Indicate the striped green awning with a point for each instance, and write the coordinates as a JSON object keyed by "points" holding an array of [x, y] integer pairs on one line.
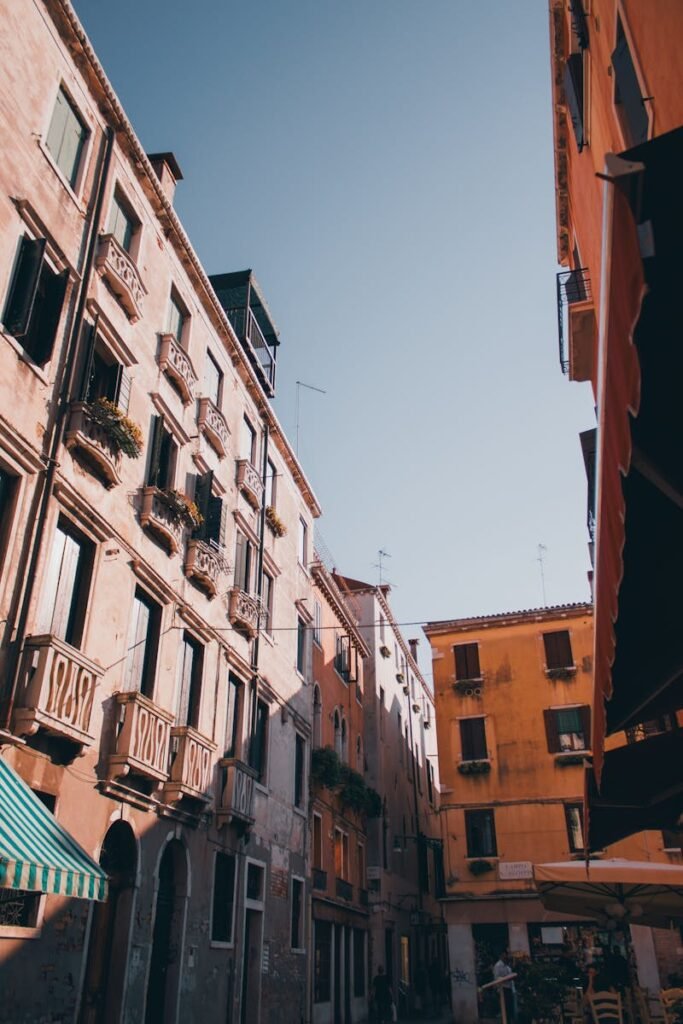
{"points": [[36, 853]]}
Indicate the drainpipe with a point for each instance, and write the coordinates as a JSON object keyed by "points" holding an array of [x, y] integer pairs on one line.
{"points": [[28, 570], [418, 830]]}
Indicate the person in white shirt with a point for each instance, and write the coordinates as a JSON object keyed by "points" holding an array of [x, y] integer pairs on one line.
{"points": [[501, 969]]}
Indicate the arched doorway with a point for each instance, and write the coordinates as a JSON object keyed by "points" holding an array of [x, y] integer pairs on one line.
{"points": [[167, 940], [104, 986]]}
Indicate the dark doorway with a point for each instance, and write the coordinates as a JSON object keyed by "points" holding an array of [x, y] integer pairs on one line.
{"points": [[169, 922], [104, 985], [347, 975], [251, 969]]}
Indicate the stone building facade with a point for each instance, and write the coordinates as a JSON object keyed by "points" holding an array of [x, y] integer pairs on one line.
{"points": [[155, 549]]}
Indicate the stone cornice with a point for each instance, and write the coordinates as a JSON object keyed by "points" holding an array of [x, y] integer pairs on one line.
{"points": [[555, 613], [560, 129]]}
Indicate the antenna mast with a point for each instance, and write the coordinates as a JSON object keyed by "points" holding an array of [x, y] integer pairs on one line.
{"points": [[541, 553]]}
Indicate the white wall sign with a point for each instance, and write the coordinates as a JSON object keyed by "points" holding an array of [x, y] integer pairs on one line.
{"points": [[509, 869]]}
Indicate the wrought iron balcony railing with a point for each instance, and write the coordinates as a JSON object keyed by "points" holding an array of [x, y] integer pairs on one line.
{"points": [[247, 329], [573, 287]]}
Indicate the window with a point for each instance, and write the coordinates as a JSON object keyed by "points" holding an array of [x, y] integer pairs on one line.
{"points": [[102, 375], [481, 833], [175, 318], [214, 527], [143, 644], [344, 741], [418, 768], [248, 442], [66, 138], [473, 739], [300, 646], [558, 650], [567, 728], [66, 584], [233, 715], [467, 662], [358, 962], [405, 960], [317, 841], [122, 223], [628, 97], [7, 489], [341, 854], [317, 717], [213, 380], [381, 712], [575, 73], [317, 622], [242, 563], [652, 727], [303, 543], [400, 737], [223, 898], [190, 671], [430, 782], [267, 603], [574, 818], [270, 489], [258, 748], [337, 733], [322, 965], [34, 301], [162, 456], [299, 770], [359, 754], [297, 924], [255, 877], [342, 657]]}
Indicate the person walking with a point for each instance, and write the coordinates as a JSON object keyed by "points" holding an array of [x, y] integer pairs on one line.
{"points": [[382, 997], [501, 969]]}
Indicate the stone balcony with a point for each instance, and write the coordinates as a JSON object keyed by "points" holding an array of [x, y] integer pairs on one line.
{"points": [[236, 796], [249, 482], [204, 565], [143, 743], [160, 519], [243, 611], [56, 690], [91, 442], [175, 363], [116, 267], [211, 423], [191, 765]]}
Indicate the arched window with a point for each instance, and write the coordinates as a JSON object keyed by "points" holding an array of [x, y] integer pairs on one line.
{"points": [[317, 717], [344, 742], [337, 734], [359, 754]]}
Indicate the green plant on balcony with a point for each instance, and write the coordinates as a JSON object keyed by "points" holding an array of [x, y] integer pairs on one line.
{"points": [[182, 509], [480, 867], [124, 434], [274, 522], [479, 767], [328, 770], [325, 767]]}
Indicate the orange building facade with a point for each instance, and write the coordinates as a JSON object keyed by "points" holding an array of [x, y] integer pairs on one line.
{"points": [[512, 696]]}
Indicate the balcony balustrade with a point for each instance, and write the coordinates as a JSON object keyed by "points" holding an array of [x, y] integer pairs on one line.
{"points": [[577, 325], [344, 889], [243, 611], [249, 482], [236, 797], [157, 516], [143, 743], [204, 565], [56, 690], [211, 423], [319, 879], [116, 267], [191, 762], [93, 444], [248, 330], [176, 364]]}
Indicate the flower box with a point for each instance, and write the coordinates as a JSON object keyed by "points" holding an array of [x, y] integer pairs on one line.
{"points": [[478, 767], [274, 522]]}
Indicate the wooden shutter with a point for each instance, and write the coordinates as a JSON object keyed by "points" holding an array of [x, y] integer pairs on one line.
{"points": [[558, 649], [196, 685], [88, 339], [24, 286], [216, 522], [628, 94], [137, 645], [552, 735], [473, 739], [585, 716], [202, 497], [573, 88], [157, 435], [65, 597], [185, 665], [467, 661], [45, 320], [124, 384], [240, 561]]}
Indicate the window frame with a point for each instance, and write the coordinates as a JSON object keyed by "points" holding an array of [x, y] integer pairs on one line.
{"points": [[270, 489], [260, 719], [317, 847], [150, 657], [193, 697], [557, 655], [468, 661], [301, 646], [121, 204], [75, 187], [223, 943], [550, 716], [44, 286], [465, 724], [267, 602], [568, 809], [625, 129], [174, 300], [81, 587], [344, 853], [470, 824], [301, 924], [215, 396], [299, 794], [302, 544]]}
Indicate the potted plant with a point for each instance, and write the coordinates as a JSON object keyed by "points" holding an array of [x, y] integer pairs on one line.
{"points": [[182, 509], [274, 522], [480, 867], [124, 434], [479, 767], [325, 767]]}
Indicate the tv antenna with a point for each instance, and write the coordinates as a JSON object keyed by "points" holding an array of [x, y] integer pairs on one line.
{"points": [[381, 554], [309, 387], [541, 554]]}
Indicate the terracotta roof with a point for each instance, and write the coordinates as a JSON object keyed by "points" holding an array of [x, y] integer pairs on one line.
{"points": [[549, 612]]}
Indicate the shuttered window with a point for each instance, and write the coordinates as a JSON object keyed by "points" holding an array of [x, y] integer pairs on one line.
{"points": [[567, 729], [143, 642], [175, 318], [267, 603], [258, 747], [34, 301], [190, 671], [223, 898], [299, 763], [213, 380], [66, 137], [300, 646], [214, 527], [558, 649], [242, 563], [480, 830], [232, 723], [162, 456], [247, 441], [573, 88], [473, 739], [628, 97], [297, 922], [467, 661], [122, 224], [574, 819], [66, 585]]}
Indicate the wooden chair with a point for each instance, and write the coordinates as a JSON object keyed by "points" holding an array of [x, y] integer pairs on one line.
{"points": [[606, 1008], [668, 997]]}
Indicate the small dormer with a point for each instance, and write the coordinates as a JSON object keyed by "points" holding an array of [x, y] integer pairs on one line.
{"points": [[240, 296]]}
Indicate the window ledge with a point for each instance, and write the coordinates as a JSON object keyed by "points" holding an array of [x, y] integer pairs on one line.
{"points": [[300, 811], [80, 206], [8, 931], [568, 757], [24, 357], [261, 788], [565, 672], [298, 952], [213, 944]]}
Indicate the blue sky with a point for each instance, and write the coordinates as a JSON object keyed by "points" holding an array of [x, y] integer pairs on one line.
{"points": [[385, 167]]}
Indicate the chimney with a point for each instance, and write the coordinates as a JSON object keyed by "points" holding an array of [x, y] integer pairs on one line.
{"points": [[413, 648], [167, 171]]}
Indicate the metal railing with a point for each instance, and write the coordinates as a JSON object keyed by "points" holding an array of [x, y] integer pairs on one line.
{"points": [[247, 327], [319, 879], [572, 286]]}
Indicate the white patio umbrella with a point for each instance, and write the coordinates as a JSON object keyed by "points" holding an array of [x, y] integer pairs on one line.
{"points": [[622, 890]]}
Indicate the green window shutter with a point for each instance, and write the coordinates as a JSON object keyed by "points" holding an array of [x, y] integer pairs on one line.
{"points": [[24, 286]]}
